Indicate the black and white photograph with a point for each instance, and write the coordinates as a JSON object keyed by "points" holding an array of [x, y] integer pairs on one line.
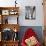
{"points": [[30, 12]]}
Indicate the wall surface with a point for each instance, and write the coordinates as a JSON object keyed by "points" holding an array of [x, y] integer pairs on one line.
{"points": [[39, 13], [37, 30], [22, 3]]}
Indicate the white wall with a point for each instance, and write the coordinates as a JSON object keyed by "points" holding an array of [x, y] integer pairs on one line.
{"points": [[22, 3], [39, 13]]}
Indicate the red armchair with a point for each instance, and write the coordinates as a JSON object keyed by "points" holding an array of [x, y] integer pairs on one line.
{"points": [[28, 34]]}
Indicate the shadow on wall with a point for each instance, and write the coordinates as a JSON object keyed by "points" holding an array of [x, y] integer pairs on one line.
{"points": [[37, 29]]}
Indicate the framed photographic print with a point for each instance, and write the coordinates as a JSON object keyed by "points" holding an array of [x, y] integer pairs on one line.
{"points": [[6, 34], [5, 20], [12, 20], [30, 12], [5, 12], [13, 12]]}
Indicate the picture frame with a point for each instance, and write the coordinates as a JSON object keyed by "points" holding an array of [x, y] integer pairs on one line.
{"points": [[6, 34], [13, 12], [9, 34], [5, 12], [13, 20], [10, 19], [30, 12], [5, 20]]}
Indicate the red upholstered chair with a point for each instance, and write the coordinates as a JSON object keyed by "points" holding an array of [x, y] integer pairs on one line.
{"points": [[29, 33]]}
